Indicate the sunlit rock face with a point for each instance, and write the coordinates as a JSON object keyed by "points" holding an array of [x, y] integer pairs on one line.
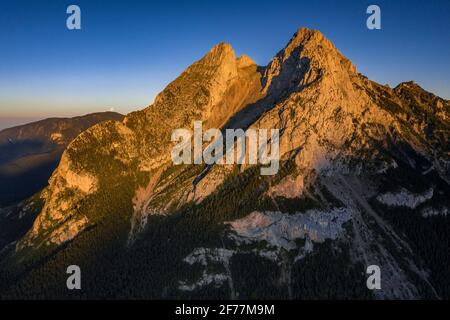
{"points": [[356, 157]]}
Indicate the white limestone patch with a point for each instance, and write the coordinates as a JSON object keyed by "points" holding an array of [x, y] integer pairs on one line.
{"points": [[205, 257], [267, 254], [405, 198], [280, 230], [206, 279], [429, 212]]}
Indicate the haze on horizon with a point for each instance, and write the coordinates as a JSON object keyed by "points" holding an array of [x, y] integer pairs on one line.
{"points": [[127, 52]]}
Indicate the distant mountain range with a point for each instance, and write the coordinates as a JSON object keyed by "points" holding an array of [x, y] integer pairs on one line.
{"points": [[31, 152], [364, 180]]}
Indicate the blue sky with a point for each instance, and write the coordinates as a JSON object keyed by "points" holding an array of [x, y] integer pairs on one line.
{"points": [[127, 51]]}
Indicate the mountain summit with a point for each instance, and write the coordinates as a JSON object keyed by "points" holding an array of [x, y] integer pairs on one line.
{"points": [[364, 180], [307, 56]]}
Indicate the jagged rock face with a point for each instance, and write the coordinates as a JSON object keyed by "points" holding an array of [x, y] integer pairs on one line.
{"points": [[211, 90], [325, 107], [64, 189], [341, 137], [420, 121], [307, 57]]}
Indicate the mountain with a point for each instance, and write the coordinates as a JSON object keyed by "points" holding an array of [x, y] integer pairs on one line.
{"points": [[363, 180], [28, 156], [30, 153]]}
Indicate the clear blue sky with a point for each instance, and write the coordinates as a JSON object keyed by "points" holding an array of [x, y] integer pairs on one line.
{"points": [[127, 51]]}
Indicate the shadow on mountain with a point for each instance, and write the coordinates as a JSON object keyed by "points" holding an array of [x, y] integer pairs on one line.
{"points": [[22, 177], [30, 153], [280, 88]]}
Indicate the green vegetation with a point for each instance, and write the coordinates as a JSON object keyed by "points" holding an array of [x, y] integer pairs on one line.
{"points": [[328, 273], [152, 267], [429, 238]]}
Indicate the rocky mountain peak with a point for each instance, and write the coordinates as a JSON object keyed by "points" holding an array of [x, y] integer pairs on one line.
{"points": [[307, 57], [317, 47], [245, 61], [212, 89], [411, 87], [222, 52], [302, 37], [215, 69]]}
